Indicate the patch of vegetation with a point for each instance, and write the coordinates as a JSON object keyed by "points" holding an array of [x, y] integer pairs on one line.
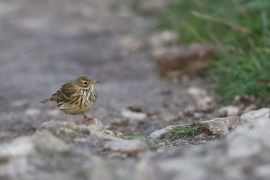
{"points": [[239, 31], [153, 144], [187, 130], [129, 136]]}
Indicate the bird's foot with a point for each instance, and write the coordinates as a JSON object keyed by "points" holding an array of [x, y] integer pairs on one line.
{"points": [[89, 120]]}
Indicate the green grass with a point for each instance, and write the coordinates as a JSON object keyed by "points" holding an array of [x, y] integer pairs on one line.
{"points": [[239, 32], [152, 144], [187, 130], [130, 136]]}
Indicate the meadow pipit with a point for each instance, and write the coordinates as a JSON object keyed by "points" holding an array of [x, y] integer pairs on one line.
{"points": [[76, 97]]}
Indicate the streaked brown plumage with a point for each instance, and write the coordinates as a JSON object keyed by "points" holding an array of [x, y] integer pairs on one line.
{"points": [[76, 97]]}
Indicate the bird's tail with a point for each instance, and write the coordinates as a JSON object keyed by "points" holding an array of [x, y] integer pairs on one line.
{"points": [[45, 100]]}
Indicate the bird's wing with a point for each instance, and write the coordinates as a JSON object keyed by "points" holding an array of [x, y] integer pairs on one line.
{"points": [[65, 93], [93, 96]]}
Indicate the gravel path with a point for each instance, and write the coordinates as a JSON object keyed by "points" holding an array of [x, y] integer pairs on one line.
{"points": [[45, 43]]}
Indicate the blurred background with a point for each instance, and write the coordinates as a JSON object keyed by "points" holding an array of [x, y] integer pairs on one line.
{"points": [[46, 43], [173, 74], [146, 55]]}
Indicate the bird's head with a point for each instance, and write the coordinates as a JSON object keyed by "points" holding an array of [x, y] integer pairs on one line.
{"points": [[85, 82]]}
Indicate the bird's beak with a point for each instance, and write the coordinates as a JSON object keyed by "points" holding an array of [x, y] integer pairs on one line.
{"points": [[96, 81]]}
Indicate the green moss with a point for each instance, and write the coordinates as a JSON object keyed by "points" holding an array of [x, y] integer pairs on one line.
{"points": [[187, 130], [239, 32], [129, 136], [153, 144]]}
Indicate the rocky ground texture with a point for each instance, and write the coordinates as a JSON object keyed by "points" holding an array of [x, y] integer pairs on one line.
{"points": [[146, 127], [66, 150]]}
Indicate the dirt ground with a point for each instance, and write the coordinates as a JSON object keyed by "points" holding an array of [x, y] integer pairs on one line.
{"points": [[46, 43]]}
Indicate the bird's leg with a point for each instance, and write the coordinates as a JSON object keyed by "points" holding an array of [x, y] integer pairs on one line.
{"points": [[88, 120]]}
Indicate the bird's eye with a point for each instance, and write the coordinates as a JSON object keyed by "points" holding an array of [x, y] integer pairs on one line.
{"points": [[85, 82]]}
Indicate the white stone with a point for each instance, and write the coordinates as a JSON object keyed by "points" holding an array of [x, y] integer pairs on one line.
{"points": [[203, 101], [221, 126], [251, 138], [196, 92], [44, 140], [19, 147], [243, 147], [70, 130], [256, 115], [229, 111], [163, 39], [263, 171], [133, 115], [182, 167]]}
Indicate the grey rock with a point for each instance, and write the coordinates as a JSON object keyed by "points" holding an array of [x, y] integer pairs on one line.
{"points": [[131, 115], [109, 170], [263, 171], [249, 108], [218, 127], [16, 168], [23, 146], [128, 147], [221, 126], [243, 154], [253, 137], [19, 147], [203, 101], [172, 166], [161, 133], [161, 39], [255, 115], [70, 130], [46, 141]]}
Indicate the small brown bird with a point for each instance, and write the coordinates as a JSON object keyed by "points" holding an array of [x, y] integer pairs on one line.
{"points": [[76, 97]]}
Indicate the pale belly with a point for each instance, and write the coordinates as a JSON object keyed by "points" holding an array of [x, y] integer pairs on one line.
{"points": [[76, 109]]}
